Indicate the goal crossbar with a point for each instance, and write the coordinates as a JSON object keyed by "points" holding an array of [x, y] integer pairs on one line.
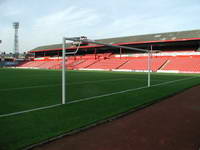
{"points": [[78, 39]]}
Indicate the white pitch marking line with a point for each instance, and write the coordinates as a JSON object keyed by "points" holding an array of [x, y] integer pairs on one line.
{"points": [[89, 98], [29, 87], [105, 95], [135, 89], [25, 111]]}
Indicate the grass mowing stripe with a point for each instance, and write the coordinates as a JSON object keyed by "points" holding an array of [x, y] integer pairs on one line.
{"points": [[137, 79], [128, 90], [75, 83], [105, 95], [94, 97]]}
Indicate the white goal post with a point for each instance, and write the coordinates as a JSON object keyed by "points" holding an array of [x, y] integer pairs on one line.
{"points": [[64, 67], [85, 40]]}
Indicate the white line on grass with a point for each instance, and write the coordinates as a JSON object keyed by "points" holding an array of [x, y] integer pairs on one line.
{"points": [[94, 97], [134, 89], [25, 111], [29, 87], [105, 95]]}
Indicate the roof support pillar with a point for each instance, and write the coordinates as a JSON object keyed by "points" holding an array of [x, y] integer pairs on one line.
{"points": [[120, 53]]}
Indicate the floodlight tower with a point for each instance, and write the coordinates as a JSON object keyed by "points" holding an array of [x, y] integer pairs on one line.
{"points": [[16, 42]]}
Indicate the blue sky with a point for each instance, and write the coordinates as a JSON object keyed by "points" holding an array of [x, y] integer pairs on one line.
{"points": [[47, 21]]}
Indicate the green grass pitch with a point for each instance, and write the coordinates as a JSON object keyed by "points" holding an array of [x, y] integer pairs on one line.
{"points": [[93, 96]]}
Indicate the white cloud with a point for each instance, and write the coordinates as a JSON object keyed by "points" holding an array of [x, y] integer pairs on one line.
{"points": [[69, 22], [71, 16]]}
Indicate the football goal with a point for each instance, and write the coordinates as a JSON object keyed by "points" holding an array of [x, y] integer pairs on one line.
{"points": [[83, 39]]}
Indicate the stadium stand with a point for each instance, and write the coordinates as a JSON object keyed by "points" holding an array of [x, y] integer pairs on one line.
{"points": [[187, 64], [71, 65], [184, 63], [108, 64], [142, 64], [32, 64], [49, 64], [39, 64], [85, 64], [173, 52]]}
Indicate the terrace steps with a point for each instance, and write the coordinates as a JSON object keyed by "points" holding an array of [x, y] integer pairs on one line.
{"points": [[109, 62]]}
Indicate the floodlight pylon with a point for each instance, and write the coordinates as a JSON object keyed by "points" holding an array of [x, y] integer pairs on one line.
{"points": [[16, 41]]}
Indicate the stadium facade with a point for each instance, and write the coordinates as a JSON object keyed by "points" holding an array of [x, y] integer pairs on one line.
{"points": [[176, 52]]}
